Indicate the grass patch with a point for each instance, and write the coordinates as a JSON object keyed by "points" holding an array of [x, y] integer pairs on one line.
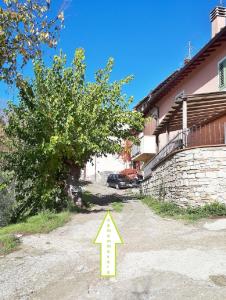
{"points": [[117, 206], [41, 223], [8, 243], [170, 209]]}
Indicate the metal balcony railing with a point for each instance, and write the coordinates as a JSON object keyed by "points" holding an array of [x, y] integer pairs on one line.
{"points": [[178, 142]]}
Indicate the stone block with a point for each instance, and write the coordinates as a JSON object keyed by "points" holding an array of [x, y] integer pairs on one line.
{"points": [[200, 174], [211, 174]]}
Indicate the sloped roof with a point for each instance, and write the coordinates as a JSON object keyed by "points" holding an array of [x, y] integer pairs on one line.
{"points": [[156, 89], [171, 81]]}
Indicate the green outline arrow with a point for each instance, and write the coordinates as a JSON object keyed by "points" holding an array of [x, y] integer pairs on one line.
{"points": [[108, 236]]}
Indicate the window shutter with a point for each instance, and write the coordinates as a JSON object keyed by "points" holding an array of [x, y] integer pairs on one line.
{"points": [[222, 74]]}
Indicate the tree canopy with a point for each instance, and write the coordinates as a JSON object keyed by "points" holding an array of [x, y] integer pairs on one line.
{"points": [[61, 122], [24, 26]]}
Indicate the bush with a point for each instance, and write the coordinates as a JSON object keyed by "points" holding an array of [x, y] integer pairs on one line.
{"points": [[163, 208], [7, 199], [32, 199], [214, 209]]}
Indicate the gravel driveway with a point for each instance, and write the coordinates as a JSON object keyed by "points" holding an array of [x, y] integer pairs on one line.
{"points": [[160, 259]]}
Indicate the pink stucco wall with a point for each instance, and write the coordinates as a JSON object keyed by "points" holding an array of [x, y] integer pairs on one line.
{"points": [[203, 79]]}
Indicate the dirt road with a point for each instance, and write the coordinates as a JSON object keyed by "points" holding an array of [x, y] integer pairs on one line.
{"points": [[160, 259]]}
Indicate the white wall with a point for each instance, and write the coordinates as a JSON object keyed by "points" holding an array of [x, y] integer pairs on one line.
{"points": [[104, 166]]}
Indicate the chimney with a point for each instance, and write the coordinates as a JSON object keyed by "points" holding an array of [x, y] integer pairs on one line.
{"points": [[218, 19]]}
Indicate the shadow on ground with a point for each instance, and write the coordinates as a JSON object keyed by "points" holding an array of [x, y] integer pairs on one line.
{"points": [[104, 201]]}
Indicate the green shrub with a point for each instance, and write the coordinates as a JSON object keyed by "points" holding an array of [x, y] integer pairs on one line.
{"points": [[171, 209], [214, 209], [162, 207], [7, 199], [8, 243], [32, 200]]}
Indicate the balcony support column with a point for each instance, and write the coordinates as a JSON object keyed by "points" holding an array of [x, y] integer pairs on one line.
{"points": [[167, 134], [185, 122], [157, 143]]}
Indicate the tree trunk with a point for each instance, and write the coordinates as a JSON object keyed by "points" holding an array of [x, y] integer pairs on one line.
{"points": [[73, 189]]}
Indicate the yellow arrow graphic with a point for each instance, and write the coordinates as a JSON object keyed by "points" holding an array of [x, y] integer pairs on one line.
{"points": [[108, 236]]}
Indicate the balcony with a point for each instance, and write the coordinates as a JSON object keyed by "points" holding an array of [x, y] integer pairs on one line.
{"points": [[178, 142], [146, 150], [198, 119]]}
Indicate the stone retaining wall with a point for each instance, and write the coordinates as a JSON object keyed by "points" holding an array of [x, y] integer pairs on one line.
{"points": [[190, 177]]}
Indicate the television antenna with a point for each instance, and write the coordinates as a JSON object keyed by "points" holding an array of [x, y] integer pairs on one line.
{"points": [[190, 50]]}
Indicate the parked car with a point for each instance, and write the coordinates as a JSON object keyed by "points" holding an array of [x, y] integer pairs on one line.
{"points": [[118, 181], [137, 181]]}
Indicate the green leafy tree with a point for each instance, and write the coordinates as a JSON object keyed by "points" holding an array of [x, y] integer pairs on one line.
{"points": [[6, 185], [61, 122], [6, 198], [24, 27]]}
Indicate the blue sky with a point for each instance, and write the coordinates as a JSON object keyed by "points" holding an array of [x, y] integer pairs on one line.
{"points": [[146, 38]]}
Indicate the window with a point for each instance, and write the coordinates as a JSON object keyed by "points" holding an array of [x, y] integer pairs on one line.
{"points": [[222, 74]]}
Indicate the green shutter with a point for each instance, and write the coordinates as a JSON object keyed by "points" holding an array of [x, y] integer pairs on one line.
{"points": [[222, 74]]}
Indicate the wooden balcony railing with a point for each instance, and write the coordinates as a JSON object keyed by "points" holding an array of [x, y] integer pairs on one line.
{"points": [[201, 135]]}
